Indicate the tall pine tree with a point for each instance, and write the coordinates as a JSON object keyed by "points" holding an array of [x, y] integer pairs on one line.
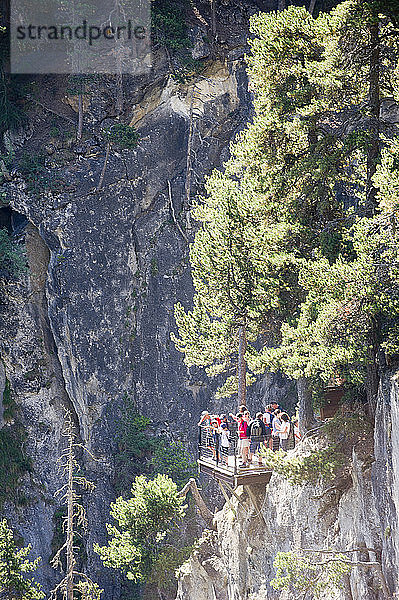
{"points": [[287, 204]]}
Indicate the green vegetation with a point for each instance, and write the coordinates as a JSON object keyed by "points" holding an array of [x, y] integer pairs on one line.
{"points": [[169, 23], [124, 136], [161, 460], [9, 404], [298, 236], [168, 561], [140, 451], [170, 30], [38, 178], [14, 565], [13, 91], [12, 259], [154, 267], [298, 574], [143, 522], [13, 462], [331, 457], [172, 459], [319, 464]]}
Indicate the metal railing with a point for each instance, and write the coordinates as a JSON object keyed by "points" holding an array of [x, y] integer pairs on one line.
{"points": [[210, 448]]}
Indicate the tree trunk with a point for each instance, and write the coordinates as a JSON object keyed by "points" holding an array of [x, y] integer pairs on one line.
{"points": [[69, 538], [306, 415], [213, 18], [372, 374], [189, 148], [374, 108], [101, 180], [120, 100], [242, 366], [80, 117], [312, 5]]}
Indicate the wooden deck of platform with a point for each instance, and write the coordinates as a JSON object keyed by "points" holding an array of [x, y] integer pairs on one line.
{"points": [[242, 476]]}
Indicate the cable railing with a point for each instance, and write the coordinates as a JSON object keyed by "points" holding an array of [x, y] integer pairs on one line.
{"points": [[211, 450]]}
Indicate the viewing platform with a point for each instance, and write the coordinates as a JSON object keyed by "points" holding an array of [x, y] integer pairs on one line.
{"points": [[223, 465]]}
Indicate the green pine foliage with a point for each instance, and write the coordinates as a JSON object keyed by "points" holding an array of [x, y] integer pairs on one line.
{"points": [[329, 458], [293, 239], [169, 30], [169, 25], [124, 136], [299, 574], [142, 452], [12, 259], [317, 465], [38, 178], [13, 461], [14, 567], [172, 459], [143, 522]]}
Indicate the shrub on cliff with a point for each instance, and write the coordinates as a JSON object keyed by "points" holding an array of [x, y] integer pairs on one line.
{"points": [[14, 565], [124, 136], [143, 522], [12, 260]]}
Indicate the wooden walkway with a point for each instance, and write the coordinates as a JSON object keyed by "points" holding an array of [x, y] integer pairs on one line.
{"points": [[254, 474]]}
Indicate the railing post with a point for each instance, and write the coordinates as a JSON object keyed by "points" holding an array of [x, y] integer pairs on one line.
{"points": [[199, 441], [235, 456]]}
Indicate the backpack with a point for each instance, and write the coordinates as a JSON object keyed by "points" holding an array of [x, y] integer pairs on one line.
{"points": [[257, 431]]}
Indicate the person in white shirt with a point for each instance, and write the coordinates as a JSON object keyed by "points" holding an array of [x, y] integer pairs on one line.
{"points": [[224, 442], [284, 431], [276, 422]]}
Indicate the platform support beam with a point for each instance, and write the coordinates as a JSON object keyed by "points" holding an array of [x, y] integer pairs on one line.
{"points": [[255, 504]]}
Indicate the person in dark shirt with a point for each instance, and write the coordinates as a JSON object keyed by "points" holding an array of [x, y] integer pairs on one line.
{"points": [[257, 435]]}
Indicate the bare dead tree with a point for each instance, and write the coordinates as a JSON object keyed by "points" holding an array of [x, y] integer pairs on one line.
{"points": [[80, 116], [74, 581], [334, 556], [101, 180], [312, 5]]}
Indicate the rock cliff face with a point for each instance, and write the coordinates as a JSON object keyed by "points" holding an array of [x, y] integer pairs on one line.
{"points": [[236, 562], [89, 324]]}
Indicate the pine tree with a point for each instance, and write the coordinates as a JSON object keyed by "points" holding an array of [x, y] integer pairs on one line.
{"points": [[14, 565], [276, 221], [143, 522]]}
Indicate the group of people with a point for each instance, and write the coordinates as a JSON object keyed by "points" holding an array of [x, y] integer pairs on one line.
{"points": [[270, 429]]}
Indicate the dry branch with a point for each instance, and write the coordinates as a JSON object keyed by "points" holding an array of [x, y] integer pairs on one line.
{"points": [[191, 486]]}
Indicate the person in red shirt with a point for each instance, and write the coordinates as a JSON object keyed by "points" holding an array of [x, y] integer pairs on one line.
{"points": [[243, 441]]}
